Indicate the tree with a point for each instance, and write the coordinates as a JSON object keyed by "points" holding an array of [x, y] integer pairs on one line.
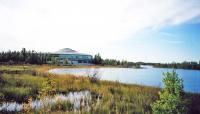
{"points": [[55, 61], [23, 56], [66, 62], [124, 63], [23, 52], [97, 59], [48, 90], [171, 97]]}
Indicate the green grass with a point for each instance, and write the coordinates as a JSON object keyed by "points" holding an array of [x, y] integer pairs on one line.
{"points": [[13, 67], [18, 87], [12, 93], [114, 96]]}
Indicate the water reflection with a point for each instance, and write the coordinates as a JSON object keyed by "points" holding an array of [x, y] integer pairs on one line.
{"points": [[146, 76], [75, 98]]}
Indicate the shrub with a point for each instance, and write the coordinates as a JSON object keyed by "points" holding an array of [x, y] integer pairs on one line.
{"points": [[94, 77], [16, 93], [48, 90], [1, 97], [1, 80], [26, 107], [171, 97], [66, 62], [62, 105]]}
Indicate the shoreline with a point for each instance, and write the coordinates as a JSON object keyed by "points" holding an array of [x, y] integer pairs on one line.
{"points": [[17, 87]]}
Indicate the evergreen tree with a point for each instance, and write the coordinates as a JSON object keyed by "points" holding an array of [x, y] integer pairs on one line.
{"points": [[171, 97], [97, 59], [23, 52], [66, 62], [23, 56]]}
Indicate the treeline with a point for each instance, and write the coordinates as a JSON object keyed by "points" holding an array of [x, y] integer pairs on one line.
{"points": [[98, 60], [24, 57], [112, 62], [183, 65]]}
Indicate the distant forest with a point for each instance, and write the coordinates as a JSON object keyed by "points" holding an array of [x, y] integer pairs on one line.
{"points": [[98, 60], [184, 65], [24, 57], [32, 57]]}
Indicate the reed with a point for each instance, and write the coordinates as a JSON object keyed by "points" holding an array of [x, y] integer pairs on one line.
{"points": [[107, 96]]}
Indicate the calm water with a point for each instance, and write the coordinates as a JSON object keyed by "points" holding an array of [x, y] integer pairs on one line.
{"points": [[147, 76]]}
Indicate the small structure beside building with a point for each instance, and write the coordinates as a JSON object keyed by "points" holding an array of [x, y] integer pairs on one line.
{"points": [[69, 56]]}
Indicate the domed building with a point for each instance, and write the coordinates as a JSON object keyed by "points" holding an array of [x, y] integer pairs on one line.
{"points": [[72, 57]]}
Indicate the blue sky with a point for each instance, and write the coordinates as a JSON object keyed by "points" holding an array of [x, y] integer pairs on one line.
{"points": [[135, 30], [171, 43]]}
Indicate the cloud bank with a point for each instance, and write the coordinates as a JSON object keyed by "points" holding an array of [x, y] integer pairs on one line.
{"points": [[81, 24]]}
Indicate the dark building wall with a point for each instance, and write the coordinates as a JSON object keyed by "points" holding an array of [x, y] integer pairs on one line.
{"points": [[74, 57]]}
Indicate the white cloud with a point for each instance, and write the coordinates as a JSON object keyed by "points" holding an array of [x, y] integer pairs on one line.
{"points": [[48, 25]]}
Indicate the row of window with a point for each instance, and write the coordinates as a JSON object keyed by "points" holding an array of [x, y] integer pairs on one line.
{"points": [[76, 56], [84, 61]]}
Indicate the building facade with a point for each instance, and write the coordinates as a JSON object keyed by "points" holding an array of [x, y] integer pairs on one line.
{"points": [[69, 56]]}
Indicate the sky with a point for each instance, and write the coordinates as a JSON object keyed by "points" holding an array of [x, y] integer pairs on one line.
{"points": [[134, 30]]}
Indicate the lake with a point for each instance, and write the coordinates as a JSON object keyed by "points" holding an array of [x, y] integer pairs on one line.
{"points": [[148, 75]]}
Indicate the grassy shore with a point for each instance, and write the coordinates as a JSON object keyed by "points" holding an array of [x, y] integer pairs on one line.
{"points": [[18, 83]]}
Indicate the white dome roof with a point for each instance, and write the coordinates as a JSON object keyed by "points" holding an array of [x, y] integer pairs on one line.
{"points": [[68, 51]]}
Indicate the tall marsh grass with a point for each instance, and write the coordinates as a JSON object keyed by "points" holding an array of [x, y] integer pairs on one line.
{"points": [[107, 97]]}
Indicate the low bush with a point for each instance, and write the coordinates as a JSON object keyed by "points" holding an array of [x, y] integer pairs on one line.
{"points": [[62, 106], [171, 97], [16, 93], [94, 77]]}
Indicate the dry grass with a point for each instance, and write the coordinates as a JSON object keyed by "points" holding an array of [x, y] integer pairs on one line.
{"points": [[114, 96]]}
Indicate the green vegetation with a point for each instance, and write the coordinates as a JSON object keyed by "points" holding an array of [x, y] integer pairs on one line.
{"points": [[94, 78], [114, 97], [97, 59], [48, 90], [33, 57], [171, 99], [66, 62], [24, 57], [112, 62], [54, 61], [184, 65]]}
